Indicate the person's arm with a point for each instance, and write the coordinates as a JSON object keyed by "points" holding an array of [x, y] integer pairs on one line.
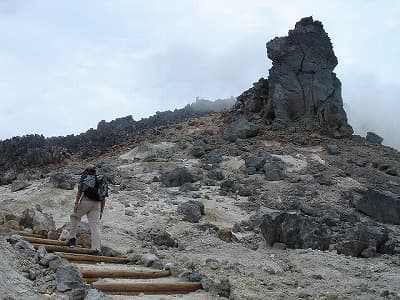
{"points": [[78, 197], [103, 203]]}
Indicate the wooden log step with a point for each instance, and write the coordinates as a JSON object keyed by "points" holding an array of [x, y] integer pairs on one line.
{"points": [[65, 249], [44, 241], [133, 274], [93, 258], [24, 233], [148, 287]]}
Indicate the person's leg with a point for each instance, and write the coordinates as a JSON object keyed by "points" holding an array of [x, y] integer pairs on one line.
{"points": [[94, 223], [76, 217]]}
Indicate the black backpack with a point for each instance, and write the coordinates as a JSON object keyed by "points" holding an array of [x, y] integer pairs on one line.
{"points": [[90, 186]]}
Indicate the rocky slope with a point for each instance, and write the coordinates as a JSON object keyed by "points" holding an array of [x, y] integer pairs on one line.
{"points": [[252, 209], [20, 154]]}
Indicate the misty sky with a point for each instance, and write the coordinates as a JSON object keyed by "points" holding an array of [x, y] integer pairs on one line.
{"points": [[65, 65]]}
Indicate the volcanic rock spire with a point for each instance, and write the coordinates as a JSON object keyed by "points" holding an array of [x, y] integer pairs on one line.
{"points": [[302, 90]]}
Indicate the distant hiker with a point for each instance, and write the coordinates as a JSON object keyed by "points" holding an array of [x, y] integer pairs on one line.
{"points": [[90, 201]]}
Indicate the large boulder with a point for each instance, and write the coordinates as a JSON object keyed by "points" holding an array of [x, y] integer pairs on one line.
{"points": [[40, 222], [68, 278], [240, 129], [18, 185], [374, 138], [380, 206], [192, 210], [62, 181], [364, 239], [177, 177], [302, 88], [294, 229]]}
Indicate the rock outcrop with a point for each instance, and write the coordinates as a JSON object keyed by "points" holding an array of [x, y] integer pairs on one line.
{"points": [[301, 91]]}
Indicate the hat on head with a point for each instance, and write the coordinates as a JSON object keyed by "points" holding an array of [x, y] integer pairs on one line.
{"points": [[91, 168]]}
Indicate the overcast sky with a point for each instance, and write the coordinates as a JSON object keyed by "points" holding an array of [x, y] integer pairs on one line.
{"points": [[65, 65]]}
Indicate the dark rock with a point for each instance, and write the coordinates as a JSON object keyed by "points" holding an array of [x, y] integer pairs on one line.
{"points": [[62, 181], [294, 229], [78, 294], [251, 171], [18, 185], [273, 171], [374, 138], [214, 157], [256, 162], [226, 235], [45, 261], [322, 180], [192, 210], [215, 174], [302, 87], [380, 206], [177, 177], [199, 148], [229, 186], [392, 171], [361, 237], [361, 162], [333, 149], [188, 187], [68, 277], [22, 244], [240, 129], [158, 236]]}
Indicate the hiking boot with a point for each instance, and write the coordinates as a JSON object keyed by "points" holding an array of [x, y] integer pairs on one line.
{"points": [[71, 242], [97, 252]]}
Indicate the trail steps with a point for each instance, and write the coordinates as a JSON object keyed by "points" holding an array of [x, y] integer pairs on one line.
{"points": [[120, 279]]}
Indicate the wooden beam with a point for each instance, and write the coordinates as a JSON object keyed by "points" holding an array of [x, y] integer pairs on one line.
{"points": [[24, 233], [148, 287], [136, 274], [94, 258], [65, 249], [44, 241]]}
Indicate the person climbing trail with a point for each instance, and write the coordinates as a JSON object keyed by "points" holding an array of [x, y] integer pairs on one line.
{"points": [[90, 201]]}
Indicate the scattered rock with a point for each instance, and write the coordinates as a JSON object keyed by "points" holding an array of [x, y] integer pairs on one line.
{"points": [[322, 180], [192, 210], [40, 222], [18, 185], [149, 259], [215, 174], [374, 138], [214, 157], [22, 244], [158, 236], [84, 240], [273, 171], [360, 238], [381, 206], [333, 149], [294, 229], [48, 258], [226, 235], [177, 177], [62, 181], [255, 162], [240, 129], [68, 277]]}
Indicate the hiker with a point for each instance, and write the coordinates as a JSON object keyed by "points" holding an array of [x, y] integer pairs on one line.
{"points": [[90, 201]]}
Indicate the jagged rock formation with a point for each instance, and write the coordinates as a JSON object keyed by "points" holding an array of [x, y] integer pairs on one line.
{"points": [[301, 87]]}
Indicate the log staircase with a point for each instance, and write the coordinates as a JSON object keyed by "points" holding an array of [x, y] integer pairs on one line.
{"points": [[113, 275]]}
